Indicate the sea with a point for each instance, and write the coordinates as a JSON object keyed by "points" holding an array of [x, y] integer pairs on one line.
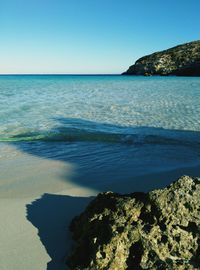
{"points": [[95, 131]]}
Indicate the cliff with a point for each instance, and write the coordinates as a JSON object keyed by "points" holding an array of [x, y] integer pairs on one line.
{"points": [[182, 60], [157, 230]]}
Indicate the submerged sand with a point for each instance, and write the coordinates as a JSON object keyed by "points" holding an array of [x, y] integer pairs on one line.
{"points": [[37, 204]]}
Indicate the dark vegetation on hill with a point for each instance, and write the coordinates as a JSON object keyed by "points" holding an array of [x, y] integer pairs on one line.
{"points": [[182, 60]]}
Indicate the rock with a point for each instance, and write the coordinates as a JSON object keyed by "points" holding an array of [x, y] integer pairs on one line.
{"points": [[182, 60], [155, 230]]}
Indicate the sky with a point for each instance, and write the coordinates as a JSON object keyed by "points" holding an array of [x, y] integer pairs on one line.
{"points": [[90, 36]]}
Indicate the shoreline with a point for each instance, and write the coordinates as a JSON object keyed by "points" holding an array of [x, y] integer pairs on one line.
{"points": [[34, 232]]}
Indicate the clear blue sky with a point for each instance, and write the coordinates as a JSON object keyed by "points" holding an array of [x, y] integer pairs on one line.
{"points": [[90, 36]]}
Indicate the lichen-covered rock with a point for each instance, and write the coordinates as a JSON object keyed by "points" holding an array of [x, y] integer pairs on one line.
{"points": [[182, 60], [157, 230]]}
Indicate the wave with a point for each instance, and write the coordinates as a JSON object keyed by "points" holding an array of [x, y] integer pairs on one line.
{"points": [[142, 136]]}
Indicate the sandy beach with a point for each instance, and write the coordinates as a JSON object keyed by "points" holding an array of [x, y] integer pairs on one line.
{"points": [[78, 136], [34, 219]]}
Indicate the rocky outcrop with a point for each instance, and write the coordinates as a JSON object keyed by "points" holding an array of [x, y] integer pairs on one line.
{"points": [[182, 60], [157, 230]]}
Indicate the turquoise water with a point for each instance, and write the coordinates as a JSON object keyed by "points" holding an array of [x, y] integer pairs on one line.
{"points": [[108, 125], [39, 107]]}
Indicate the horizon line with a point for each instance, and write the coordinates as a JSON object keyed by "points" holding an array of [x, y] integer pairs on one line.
{"points": [[60, 74]]}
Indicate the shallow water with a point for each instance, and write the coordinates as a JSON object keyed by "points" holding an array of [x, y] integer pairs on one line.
{"points": [[39, 104], [110, 128]]}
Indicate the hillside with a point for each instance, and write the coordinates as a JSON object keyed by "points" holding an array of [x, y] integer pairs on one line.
{"points": [[182, 60]]}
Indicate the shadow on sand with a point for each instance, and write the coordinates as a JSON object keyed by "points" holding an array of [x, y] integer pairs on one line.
{"points": [[52, 214], [98, 154]]}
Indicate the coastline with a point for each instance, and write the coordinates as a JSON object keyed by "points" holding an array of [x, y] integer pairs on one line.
{"points": [[150, 138], [34, 230]]}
